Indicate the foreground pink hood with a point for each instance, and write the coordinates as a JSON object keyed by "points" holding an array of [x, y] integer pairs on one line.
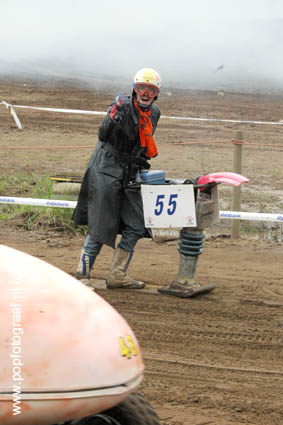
{"points": [[65, 348]]}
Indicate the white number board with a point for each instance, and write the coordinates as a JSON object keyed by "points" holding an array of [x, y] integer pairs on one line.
{"points": [[168, 205]]}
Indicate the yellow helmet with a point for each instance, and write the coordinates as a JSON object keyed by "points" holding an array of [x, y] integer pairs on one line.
{"points": [[147, 76]]}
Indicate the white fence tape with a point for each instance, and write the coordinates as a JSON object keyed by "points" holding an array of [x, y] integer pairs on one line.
{"points": [[221, 120], [67, 111], [81, 111], [37, 202], [16, 119], [231, 215], [250, 216], [14, 115]]}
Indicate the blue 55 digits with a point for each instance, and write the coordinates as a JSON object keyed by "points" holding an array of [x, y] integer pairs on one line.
{"points": [[162, 206]]}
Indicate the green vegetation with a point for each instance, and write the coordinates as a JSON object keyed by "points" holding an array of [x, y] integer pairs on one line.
{"points": [[263, 200], [32, 217], [247, 226]]}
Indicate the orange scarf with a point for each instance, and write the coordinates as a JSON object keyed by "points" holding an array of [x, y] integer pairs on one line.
{"points": [[145, 131]]}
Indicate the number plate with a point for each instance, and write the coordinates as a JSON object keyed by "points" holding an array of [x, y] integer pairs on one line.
{"points": [[168, 205]]}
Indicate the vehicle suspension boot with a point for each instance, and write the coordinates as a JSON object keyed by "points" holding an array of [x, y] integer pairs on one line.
{"points": [[84, 268], [118, 277], [190, 247]]}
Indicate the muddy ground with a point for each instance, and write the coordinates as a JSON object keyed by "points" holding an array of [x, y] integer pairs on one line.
{"points": [[216, 359]]}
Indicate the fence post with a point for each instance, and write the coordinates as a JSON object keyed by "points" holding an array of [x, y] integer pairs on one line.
{"points": [[236, 196], [9, 117]]}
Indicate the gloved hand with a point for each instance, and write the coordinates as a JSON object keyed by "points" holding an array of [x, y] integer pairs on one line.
{"points": [[117, 105]]}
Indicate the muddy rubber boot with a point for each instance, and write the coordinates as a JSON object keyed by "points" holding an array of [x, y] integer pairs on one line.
{"points": [[118, 277], [184, 286], [85, 266]]}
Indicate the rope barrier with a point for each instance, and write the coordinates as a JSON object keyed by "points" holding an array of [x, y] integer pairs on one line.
{"points": [[250, 216], [44, 147], [223, 120], [231, 215], [66, 111], [37, 202], [86, 112], [227, 141], [223, 142]]}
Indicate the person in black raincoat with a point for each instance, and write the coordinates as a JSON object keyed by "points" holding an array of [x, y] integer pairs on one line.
{"points": [[109, 201]]}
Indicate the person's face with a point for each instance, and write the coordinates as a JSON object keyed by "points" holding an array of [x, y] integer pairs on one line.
{"points": [[145, 93]]}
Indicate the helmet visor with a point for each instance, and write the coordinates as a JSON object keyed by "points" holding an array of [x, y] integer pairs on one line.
{"points": [[141, 89]]}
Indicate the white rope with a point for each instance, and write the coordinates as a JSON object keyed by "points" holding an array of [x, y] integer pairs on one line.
{"points": [[68, 111], [85, 112], [222, 120]]}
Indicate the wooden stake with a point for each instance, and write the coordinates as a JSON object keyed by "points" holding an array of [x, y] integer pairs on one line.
{"points": [[9, 117]]}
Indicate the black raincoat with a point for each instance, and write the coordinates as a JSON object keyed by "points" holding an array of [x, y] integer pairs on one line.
{"points": [[108, 202]]}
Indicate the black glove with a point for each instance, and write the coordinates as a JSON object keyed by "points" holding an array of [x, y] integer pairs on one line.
{"points": [[116, 111]]}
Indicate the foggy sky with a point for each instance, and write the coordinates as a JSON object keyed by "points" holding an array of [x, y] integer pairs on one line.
{"points": [[191, 44]]}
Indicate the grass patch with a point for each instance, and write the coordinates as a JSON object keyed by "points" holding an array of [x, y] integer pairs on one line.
{"points": [[247, 226], [32, 217]]}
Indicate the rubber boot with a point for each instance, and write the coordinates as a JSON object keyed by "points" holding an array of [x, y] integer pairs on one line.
{"points": [[118, 277], [85, 266], [184, 286]]}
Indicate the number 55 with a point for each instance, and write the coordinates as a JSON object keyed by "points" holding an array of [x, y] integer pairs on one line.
{"points": [[172, 204]]}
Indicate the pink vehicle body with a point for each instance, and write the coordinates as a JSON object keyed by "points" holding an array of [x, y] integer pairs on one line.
{"points": [[65, 352], [223, 177]]}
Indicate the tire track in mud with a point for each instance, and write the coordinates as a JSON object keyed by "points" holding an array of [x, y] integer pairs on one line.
{"points": [[206, 334], [240, 338], [228, 390], [233, 327], [214, 368]]}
